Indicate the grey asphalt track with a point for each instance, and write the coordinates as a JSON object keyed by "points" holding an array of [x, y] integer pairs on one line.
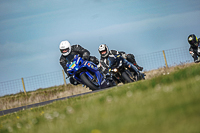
{"points": [[8, 111]]}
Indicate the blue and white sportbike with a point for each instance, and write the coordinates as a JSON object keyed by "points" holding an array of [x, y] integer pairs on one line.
{"points": [[86, 73]]}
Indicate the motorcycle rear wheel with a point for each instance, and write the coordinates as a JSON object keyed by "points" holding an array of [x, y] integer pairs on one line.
{"points": [[87, 82]]}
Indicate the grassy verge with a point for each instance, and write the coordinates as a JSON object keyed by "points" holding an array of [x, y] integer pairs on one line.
{"points": [[169, 103], [40, 95]]}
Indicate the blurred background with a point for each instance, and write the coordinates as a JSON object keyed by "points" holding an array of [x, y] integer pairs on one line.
{"points": [[31, 31]]}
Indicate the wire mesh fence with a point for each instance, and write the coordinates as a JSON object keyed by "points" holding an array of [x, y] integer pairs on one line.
{"points": [[148, 61], [43, 81], [156, 60], [178, 56], [11, 87], [151, 61], [31, 83]]}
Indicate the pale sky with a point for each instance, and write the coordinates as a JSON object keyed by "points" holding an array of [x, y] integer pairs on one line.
{"points": [[31, 31]]}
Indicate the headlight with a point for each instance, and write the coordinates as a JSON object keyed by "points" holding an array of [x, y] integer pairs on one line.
{"points": [[115, 70]]}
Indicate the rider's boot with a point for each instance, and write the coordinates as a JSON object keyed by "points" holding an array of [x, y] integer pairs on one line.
{"points": [[197, 60], [139, 67], [135, 64]]}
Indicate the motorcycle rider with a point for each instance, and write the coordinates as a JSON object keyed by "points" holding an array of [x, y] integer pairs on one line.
{"points": [[105, 53], [128, 57], [66, 49], [194, 47]]}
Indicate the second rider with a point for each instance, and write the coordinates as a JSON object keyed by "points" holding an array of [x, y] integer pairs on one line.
{"points": [[105, 53]]}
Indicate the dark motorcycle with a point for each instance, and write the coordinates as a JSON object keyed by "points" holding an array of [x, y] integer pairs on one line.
{"points": [[118, 71]]}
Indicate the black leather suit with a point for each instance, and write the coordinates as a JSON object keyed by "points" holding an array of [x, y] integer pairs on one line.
{"points": [[194, 51], [129, 57]]}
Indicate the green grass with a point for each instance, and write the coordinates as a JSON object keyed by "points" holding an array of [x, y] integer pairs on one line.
{"points": [[165, 104]]}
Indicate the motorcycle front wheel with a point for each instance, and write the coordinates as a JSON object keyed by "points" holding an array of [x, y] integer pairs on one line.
{"points": [[126, 77], [87, 82]]}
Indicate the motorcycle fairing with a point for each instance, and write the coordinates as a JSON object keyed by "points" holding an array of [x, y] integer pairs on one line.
{"points": [[87, 67]]}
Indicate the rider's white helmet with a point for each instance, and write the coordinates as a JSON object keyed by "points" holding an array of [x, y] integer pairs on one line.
{"points": [[103, 50], [65, 48]]}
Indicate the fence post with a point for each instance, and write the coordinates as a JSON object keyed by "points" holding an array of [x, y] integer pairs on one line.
{"points": [[64, 77], [165, 59], [23, 86]]}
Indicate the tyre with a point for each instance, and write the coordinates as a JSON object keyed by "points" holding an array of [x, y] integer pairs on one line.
{"points": [[126, 77], [87, 82]]}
